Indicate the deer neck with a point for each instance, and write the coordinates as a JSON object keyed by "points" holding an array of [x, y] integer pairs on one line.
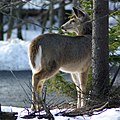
{"points": [[86, 29]]}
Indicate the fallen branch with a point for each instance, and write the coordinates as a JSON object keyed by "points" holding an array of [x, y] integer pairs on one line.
{"points": [[35, 114], [84, 111], [47, 110]]}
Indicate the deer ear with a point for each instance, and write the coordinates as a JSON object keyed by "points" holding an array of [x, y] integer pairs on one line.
{"points": [[78, 12]]}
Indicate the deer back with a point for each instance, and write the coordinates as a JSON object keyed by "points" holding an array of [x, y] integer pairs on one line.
{"points": [[61, 49]]}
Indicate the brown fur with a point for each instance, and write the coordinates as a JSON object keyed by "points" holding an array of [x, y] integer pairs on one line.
{"points": [[66, 53], [34, 47]]}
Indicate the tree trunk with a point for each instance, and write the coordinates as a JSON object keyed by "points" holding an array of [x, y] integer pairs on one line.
{"points": [[1, 26], [100, 53], [44, 20], [10, 23], [61, 12], [19, 29], [51, 15]]}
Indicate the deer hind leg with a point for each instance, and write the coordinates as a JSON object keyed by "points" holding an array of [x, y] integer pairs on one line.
{"points": [[38, 79], [37, 84], [75, 78]]}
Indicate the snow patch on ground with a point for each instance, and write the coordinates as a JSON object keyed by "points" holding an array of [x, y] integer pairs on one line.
{"points": [[13, 55], [109, 114]]}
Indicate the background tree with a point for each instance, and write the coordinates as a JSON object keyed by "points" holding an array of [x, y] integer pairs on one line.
{"points": [[1, 21], [11, 20], [1, 26], [19, 16], [61, 12], [51, 14], [100, 53]]}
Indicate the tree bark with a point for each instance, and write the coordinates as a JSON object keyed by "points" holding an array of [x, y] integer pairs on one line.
{"points": [[1, 26], [10, 23], [51, 15], [2, 4], [100, 50], [61, 12], [44, 20], [19, 29]]}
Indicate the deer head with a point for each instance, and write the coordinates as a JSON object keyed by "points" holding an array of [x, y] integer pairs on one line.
{"points": [[79, 23]]}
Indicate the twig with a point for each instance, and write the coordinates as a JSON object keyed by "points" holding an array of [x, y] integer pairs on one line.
{"points": [[48, 113], [10, 5], [20, 84], [33, 115], [100, 108]]}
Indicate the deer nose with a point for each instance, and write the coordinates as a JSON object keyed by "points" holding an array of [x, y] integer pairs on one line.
{"points": [[62, 27]]}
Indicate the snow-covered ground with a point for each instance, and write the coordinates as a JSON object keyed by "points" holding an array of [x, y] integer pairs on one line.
{"points": [[13, 55], [109, 114]]}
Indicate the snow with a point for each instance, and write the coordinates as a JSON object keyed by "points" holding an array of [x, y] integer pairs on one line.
{"points": [[32, 32], [113, 5], [37, 4], [109, 114], [112, 21], [13, 55]]}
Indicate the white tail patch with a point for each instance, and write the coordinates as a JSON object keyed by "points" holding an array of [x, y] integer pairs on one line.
{"points": [[37, 61]]}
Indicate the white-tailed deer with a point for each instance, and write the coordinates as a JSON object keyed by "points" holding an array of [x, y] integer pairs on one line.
{"points": [[50, 53]]}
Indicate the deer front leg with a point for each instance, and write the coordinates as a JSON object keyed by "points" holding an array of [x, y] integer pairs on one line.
{"points": [[75, 78], [80, 80], [83, 82]]}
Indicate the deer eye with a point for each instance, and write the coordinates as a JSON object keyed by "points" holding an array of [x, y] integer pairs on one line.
{"points": [[72, 21]]}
